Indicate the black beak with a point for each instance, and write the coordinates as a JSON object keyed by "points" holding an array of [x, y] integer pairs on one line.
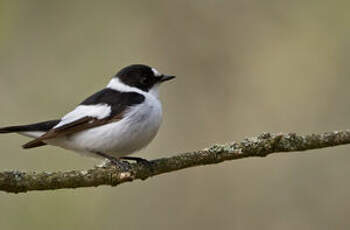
{"points": [[166, 77]]}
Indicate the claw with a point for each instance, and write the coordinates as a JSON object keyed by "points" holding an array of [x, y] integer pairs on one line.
{"points": [[122, 165], [141, 161]]}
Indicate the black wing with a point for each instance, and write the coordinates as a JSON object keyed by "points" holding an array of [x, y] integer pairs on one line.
{"points": [[118, 101]]}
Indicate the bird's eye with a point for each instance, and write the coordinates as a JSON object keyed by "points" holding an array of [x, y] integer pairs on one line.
{"points": [[145, 81]]}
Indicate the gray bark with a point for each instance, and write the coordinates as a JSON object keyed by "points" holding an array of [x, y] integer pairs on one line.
{"points": [[260, 146]]}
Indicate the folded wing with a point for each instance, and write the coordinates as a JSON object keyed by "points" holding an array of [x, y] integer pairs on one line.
{"points": [[101, 108]]}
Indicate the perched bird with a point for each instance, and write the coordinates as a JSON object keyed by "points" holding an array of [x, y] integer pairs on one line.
{"points": [[119, 120]]}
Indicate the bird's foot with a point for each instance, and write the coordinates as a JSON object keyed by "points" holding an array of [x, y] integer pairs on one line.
{"points": [[122, 165], [139, 160]]}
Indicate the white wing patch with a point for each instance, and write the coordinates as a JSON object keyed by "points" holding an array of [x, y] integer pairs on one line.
{"points": [[99, 111]]}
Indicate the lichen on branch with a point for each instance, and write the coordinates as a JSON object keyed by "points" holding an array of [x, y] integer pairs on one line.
{"points": [[109, 174]]}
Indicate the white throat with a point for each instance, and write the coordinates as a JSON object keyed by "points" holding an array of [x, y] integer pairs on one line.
{"points": [[116, 84]]}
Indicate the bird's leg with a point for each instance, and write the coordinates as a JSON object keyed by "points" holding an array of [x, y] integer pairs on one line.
{"points": [[139, 160], [124, 165]]}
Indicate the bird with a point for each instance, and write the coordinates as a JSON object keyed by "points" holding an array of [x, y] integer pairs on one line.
{"points": [[122, 118]]}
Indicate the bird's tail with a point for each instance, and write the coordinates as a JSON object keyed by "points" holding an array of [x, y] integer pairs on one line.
{"points": [[32, 130], [42, 126], [13, 129]]}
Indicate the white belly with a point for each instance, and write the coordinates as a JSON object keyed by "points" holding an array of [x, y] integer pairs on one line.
{"points": [[134, 132]]}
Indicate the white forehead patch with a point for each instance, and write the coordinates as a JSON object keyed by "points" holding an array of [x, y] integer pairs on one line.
{"points": [[156, 73]]}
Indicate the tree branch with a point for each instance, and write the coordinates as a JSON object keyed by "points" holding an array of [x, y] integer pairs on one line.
{"points": [[261, 146]]}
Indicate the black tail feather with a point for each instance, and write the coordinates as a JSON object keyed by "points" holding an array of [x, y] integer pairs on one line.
{"points": [[11, 129], [42, 126]]}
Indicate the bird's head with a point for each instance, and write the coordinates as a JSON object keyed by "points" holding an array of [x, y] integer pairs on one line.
{"points": [[141, 77]]}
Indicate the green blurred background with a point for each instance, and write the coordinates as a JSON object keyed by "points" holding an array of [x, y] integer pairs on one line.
{"points": [[243, 67]]}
